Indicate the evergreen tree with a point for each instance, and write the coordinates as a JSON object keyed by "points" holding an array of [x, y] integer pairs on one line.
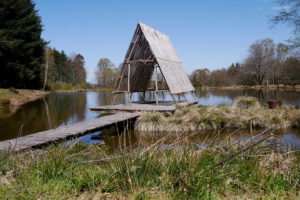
{"points": [[21, 46], [60, 59]]}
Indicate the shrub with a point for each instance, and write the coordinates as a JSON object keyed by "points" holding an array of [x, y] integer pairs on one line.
{"points": [[81, 86], [61, 86], [246, 102], [275, 120], [152, 117], [55, 86], [67, 86]]}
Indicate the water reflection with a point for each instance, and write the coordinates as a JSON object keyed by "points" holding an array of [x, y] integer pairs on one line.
{"points": [[227, 97], [46, 113], [131, 139], [58, 110]]}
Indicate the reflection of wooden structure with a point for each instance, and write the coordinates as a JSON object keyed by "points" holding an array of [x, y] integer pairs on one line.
{"points": [[149, 51]]}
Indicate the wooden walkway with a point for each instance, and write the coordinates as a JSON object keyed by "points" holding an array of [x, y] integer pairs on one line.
{"points": [[166, 106], [65, 132]]}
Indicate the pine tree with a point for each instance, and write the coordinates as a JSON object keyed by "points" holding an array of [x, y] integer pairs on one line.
{"points": [[21, 46]]}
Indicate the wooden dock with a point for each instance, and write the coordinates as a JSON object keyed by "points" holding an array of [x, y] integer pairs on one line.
{"points": [[65, 132], [166, 106]]}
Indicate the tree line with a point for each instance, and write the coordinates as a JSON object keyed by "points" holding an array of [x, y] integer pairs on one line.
{"points": [[60, 71], [26, 61], [267, 63]]}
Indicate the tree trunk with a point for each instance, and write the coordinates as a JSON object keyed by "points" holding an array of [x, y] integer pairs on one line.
{"points": [[46, 69]]}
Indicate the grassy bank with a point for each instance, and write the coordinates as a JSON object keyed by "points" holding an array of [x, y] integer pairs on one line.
{"points": [[244, 111], [16, 97], [76, 171]]}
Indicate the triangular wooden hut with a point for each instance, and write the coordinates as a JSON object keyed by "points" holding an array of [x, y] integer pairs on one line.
{"points": [[150, 49]]}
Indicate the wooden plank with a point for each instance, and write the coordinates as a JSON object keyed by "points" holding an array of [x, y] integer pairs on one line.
{"points": [[156, 87], [185, 97], [128, 81], [140, 60], [65, 132]]}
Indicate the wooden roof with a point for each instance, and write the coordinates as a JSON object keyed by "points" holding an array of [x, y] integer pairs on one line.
{"points": [[147, 48]]}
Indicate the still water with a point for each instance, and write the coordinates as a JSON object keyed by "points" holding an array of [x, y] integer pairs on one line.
{"points": [[58, 110]]}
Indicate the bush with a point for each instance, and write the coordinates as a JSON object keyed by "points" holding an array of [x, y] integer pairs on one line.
{"points": [[55, 86], [81, 86], [67, 86], [246, 102], [61, 86], [275, 120]]}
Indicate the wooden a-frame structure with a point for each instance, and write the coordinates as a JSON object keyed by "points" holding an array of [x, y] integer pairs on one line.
{"points": [[150, 49]]}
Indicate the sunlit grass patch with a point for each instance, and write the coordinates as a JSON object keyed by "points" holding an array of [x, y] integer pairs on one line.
{"points": [[77, 171]]}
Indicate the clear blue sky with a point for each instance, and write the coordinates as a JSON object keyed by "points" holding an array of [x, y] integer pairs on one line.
{"points": [[210, 34]]}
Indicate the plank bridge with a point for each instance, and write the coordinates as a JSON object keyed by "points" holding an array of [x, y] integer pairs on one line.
{"points": [[66, 132]]}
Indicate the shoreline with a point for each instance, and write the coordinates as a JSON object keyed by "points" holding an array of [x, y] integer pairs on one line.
{"points": [[255, 87], [17, 97]]}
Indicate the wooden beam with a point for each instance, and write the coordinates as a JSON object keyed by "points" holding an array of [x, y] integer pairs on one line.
{"points": [[173, 98], [144, 96], [187, 100], [194, 96], [140, 60], [153, 89], [156, 87], [128, 81], [124, 68]]}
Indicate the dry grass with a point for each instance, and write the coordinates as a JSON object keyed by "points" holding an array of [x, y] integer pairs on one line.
{"points": [[78, 172], [18, 97], [240, 114]]}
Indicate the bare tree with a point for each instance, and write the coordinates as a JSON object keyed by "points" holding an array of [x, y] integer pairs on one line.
{"points": [[106, 73], [289, 13], [48, 67], [260, 60]]}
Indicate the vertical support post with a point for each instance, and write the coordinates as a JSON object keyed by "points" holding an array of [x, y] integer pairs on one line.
{"points": [[144, 96], [187, 100], [195, 96], [114, 99], [173, 98], [156, 87], [128, 81]]}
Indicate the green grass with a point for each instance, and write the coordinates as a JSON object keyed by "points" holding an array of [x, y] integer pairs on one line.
{"points": [[3, 90], [67, 86], [86, 172]]}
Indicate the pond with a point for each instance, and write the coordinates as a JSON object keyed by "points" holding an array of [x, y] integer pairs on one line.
{"points": [[58, 110]]}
